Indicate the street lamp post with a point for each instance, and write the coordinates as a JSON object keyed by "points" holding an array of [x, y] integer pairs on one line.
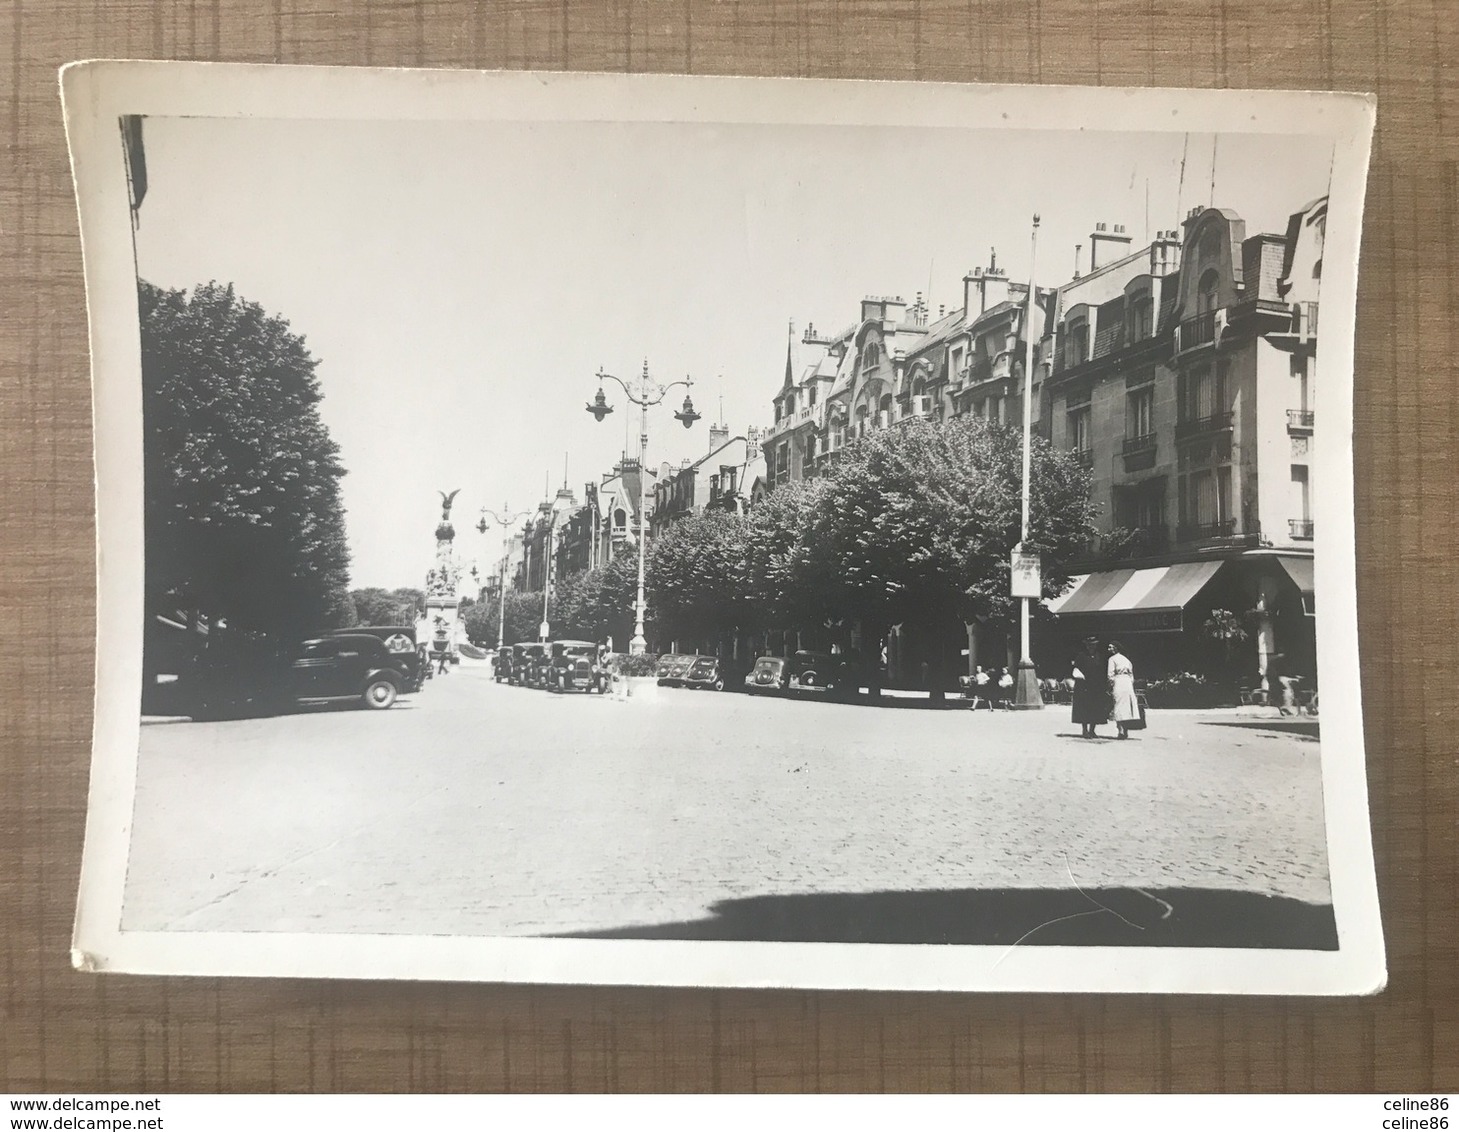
{"points": [[643, 392], [1026, 692], [506, 518]]}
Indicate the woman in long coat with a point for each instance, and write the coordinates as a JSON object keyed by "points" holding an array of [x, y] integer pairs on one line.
{"points": [[1126, 709], [1090, 698]]}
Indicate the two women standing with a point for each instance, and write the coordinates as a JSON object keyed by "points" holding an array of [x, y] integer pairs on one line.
{"points": [[1104, 689]]}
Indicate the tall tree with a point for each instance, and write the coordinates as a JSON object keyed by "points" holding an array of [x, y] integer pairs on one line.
{"points": [[376, 606], [524, 614], [698, 576], [921, 520], [243, 513], [788, 579]]}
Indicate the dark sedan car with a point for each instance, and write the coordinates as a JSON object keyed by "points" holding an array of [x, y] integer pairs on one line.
{"points": [[669, 663], [400, 640], [574, 668], [819, 673], [705, 672], [770, 674], [536, 659], [349, 666]]}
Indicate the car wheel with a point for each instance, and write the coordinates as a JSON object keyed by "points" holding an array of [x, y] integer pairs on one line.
{"points": [[719, 685], [380, 694]]}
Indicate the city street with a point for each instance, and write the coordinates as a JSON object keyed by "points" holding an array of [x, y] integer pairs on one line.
{"points": [[483, 809]]}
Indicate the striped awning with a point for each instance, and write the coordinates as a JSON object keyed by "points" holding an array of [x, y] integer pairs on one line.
{"points": [[1158, 590]]}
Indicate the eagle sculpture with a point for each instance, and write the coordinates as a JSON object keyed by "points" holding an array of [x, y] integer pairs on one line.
{"points": [[446, 501]]}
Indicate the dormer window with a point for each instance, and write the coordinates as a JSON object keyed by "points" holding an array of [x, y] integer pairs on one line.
{"points": [[1076, 346], [1140, 318], [1208, 292], [870, 355]]}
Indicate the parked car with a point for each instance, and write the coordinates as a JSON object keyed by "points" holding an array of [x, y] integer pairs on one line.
{"points": [[705, 672], [679, 671], [401, 641], [348, 666], [573, 667], [535, 659], [667, 663], [819, 673], [517, 670], [771, 674]]}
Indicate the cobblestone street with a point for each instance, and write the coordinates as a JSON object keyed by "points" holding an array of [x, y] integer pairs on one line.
{"points": [[481, 809]]}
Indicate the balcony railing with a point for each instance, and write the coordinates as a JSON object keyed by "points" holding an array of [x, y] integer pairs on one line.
{"points": [[1085, 456], [1195, 532], [1135, 444], [1300, 528], [1299, 420], [1216, 422], [1198, 330]]}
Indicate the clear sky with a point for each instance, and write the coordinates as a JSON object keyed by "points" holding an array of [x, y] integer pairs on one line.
{"points": [[460, 283]]}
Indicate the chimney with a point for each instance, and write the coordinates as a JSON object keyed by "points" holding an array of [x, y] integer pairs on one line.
{"points": [[1107, 243], [1164, 253], [1078, 249], [718, 434], [984, 288], [752, 442]]}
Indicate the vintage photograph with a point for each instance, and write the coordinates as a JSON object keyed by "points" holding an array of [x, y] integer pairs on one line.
{"points": [[766, 530]]}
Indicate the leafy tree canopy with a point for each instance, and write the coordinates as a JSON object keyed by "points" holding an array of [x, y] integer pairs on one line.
{"points": [[243, 511]]}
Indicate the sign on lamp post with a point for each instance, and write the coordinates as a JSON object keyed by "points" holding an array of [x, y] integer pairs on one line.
{"points": [[1026, 569]]}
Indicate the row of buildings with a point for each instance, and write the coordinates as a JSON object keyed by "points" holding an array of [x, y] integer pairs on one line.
{"points": [[568, 534], [1182, 372]]}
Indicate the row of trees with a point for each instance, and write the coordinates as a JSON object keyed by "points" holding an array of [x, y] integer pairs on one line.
{"points": [[913, 525], [243, 518]]}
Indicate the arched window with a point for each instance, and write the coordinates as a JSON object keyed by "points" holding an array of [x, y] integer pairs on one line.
{"points": [[1207, 291], [620, 518], [870, 355]]}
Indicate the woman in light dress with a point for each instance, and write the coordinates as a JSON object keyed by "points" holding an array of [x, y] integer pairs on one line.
{"points": [[1126, 708]]}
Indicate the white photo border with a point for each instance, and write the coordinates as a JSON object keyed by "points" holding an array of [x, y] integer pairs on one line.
{"points": [[97, 94]]}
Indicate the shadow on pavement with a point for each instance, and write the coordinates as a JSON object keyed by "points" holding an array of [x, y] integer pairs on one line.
{"points": [[1309, 729], [1121, 917]]}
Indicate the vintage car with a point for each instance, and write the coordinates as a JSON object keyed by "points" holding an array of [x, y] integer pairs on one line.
{"points": [[348, 666], [668, 662], [536, 658], [517, 670], [573, 667], [705, 672], [401, 641], [770, 674], [678, 672], [821, 674]]}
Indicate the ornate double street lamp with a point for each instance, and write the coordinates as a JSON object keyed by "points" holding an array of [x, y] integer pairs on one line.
{"points": [[505, 519], [643, 392]]}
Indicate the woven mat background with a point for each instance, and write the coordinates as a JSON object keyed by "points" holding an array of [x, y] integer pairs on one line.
{"points": [[63, 1031]]}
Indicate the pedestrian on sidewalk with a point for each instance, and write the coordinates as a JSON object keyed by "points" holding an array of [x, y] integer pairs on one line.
{"points": [[981, 680], [1005, 687], [1126, 707], [1089, 697]]}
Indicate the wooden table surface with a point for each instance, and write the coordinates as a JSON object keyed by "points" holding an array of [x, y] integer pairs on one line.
{"points": [[64, 1031]]}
